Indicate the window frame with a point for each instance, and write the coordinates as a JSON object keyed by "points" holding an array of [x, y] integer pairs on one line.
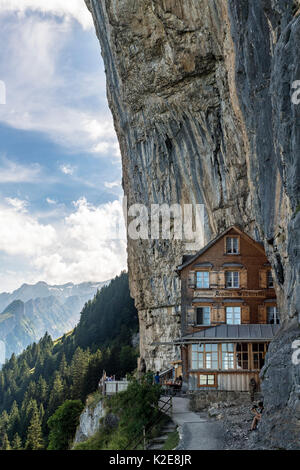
{"points": [[259, 354], [270, 285], [233, 314], [203, 273], [275, 315], [202, 307], [231, 355], [232, 237], [232, 273], [242, 356], [205, 354], [214, 374], [254, 358]]}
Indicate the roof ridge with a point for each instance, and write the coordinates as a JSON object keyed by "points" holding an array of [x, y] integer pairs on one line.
{"points": [[212, 242]]}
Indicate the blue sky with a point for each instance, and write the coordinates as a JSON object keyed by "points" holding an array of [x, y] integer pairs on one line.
{"points": [[60, 167]]}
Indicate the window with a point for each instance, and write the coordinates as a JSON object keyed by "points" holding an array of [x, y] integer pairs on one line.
{"points": [[197, 356], [207, 380], [273, 317], [270, 282], [204, 356], [232, 279], [259, 352], [202, 280], [203, 316], [228, 356], [232, 245], [242, 356], [233, 315]]}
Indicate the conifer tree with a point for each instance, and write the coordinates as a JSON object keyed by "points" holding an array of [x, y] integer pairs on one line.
{"points": [[34, 440], [42, 389], [57, 394], [17, 442], [5, 443], [14, 420]]}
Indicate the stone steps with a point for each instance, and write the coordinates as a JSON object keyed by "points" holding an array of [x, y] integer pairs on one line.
{"points": [[159, 439], [156, 443], [154, 447]]}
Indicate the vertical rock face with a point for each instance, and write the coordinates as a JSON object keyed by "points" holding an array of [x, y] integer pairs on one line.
{"points": [[201, 95], [89, 422]]}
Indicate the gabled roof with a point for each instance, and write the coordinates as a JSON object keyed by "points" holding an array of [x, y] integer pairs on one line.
{"points": [[263, 332], [187, 260]]}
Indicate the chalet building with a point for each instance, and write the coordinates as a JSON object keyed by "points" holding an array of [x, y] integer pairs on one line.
{"points": [[229, 313]]}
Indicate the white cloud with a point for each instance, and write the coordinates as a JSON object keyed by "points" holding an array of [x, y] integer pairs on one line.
{"points": [[113, 184], [18, 204], [67, 169], [21, 234], [88, 244], [11, 172], [50, 201], [49, 94], [67, 8]]}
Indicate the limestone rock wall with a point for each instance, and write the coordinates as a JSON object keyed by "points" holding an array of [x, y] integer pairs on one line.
{"points": [[200, 92], [89, 422]]}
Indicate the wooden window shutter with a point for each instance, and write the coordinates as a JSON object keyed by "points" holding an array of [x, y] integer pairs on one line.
{"points": [[213, 279], [262, 314], [192, 280], [246, 314], [243, 279], [222, 314], [221, 279], [214, 315], [263, 279], [191, 316]]}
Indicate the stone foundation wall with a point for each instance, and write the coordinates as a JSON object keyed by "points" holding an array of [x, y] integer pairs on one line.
{"points": [[205, 398]]}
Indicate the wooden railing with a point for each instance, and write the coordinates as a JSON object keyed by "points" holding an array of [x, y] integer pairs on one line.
{"points": [[114, 386], [164, 406]]}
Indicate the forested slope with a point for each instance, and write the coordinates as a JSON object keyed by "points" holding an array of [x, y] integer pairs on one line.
{"points": [[34, 384]]}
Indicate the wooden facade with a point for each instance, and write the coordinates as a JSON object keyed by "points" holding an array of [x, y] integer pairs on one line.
{"points": [[229, 282]]}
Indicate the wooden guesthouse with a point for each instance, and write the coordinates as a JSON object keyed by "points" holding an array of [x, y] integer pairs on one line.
{"points": [[229, 313]]}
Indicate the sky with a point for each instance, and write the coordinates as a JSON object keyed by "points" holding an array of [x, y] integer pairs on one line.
{"points": [[60, 166]]}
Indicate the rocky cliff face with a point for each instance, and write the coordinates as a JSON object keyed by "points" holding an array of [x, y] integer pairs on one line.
{"points": [[201, 95], [89, 422]]}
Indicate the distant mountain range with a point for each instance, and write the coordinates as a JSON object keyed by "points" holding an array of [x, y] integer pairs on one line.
{"points": [[31, 310]]}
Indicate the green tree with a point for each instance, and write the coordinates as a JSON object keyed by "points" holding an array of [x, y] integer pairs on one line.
{"points": [[34, 439], [42, 389], [5, 443], [17, 442], [63, 424], [57, 393], [79, 367], [14, 420], [136, 407]]}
